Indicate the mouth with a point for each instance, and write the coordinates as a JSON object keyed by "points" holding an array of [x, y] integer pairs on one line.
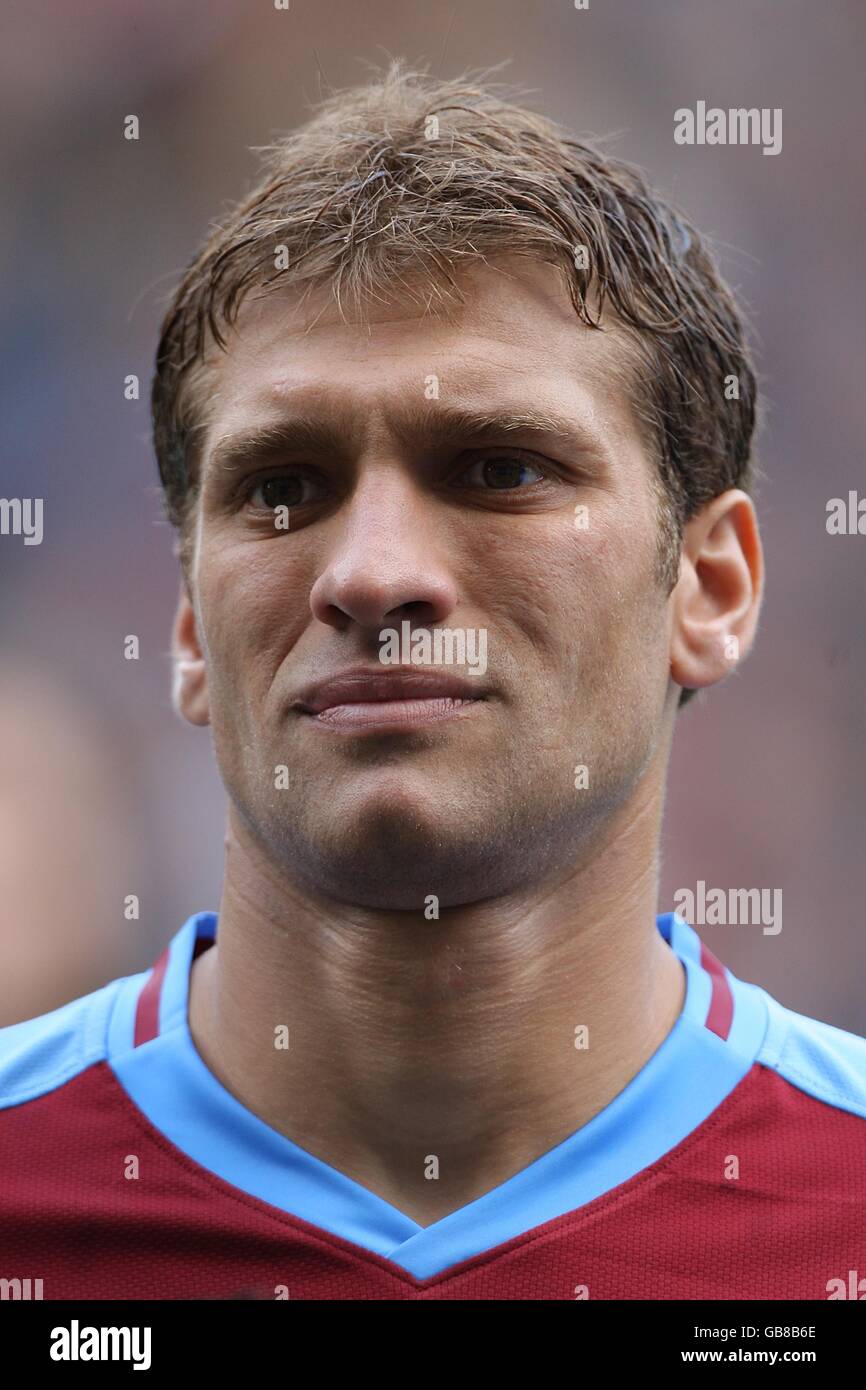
{"points": [[402, 700], [383, 715]]}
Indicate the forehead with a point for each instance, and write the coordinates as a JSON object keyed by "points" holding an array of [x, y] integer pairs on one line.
{"points": [[515, 339]]}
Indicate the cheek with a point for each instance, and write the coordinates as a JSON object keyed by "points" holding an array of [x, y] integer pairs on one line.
{"points": [[582, 606], [625, 658], [253, 606]]}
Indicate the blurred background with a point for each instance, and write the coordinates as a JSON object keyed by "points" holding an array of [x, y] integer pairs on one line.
{"points": [[103, 792]]}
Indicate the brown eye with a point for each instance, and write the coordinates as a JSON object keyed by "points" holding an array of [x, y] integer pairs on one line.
{"points": [[282, 490], [501, 474]]}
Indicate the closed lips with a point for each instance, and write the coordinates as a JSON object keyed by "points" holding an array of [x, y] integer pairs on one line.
{"points": [[374, 687]]}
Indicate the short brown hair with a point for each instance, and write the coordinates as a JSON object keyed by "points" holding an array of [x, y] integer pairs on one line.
{"points": [[403, 181]]}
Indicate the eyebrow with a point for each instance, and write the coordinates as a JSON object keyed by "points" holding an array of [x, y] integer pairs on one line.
{"points": [[260, 443], [435, 424]]}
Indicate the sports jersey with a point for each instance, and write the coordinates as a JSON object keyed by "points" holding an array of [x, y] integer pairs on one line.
{"points": [[731, 1166]]}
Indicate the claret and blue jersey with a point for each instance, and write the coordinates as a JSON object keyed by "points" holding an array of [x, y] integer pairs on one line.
{"points": [[732, 1166]]}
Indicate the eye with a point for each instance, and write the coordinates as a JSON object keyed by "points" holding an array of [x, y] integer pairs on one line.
{"points": [[283, 490], [500, 472]]}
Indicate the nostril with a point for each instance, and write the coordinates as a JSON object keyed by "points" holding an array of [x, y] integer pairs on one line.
{"points": [[417, 609]]}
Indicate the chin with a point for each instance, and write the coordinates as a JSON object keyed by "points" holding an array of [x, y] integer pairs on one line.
{"points": [[394, 856]]}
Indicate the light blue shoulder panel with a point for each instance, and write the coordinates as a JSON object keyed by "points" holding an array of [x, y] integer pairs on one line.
{"points": [[825, 1062]]}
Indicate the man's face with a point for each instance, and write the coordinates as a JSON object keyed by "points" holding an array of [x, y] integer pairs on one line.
{"points": [[407, 502]]}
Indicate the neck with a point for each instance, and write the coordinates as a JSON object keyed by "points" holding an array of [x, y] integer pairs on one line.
{"points": [[416, 1044]]}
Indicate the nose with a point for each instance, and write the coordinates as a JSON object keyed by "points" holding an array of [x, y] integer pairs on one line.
{"points": [[385, 564]]}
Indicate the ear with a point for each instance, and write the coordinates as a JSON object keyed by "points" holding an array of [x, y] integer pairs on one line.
{"points": [[717, 597], [189, 683]]}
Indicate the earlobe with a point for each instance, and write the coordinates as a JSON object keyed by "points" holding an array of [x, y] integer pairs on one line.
{"points": [[717, 597], [189, 671]]}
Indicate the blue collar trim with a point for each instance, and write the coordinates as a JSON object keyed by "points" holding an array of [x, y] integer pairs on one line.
{"points": [[684, 1081]]}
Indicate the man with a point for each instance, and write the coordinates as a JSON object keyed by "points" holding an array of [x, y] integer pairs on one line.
{"points": [[454, 419]]}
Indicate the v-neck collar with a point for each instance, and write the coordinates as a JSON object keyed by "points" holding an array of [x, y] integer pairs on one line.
{"points": [[711, 1047]]}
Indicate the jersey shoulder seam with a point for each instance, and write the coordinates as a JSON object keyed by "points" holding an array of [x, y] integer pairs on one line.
{"points": [[77, 1031], [819, 1045]]}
